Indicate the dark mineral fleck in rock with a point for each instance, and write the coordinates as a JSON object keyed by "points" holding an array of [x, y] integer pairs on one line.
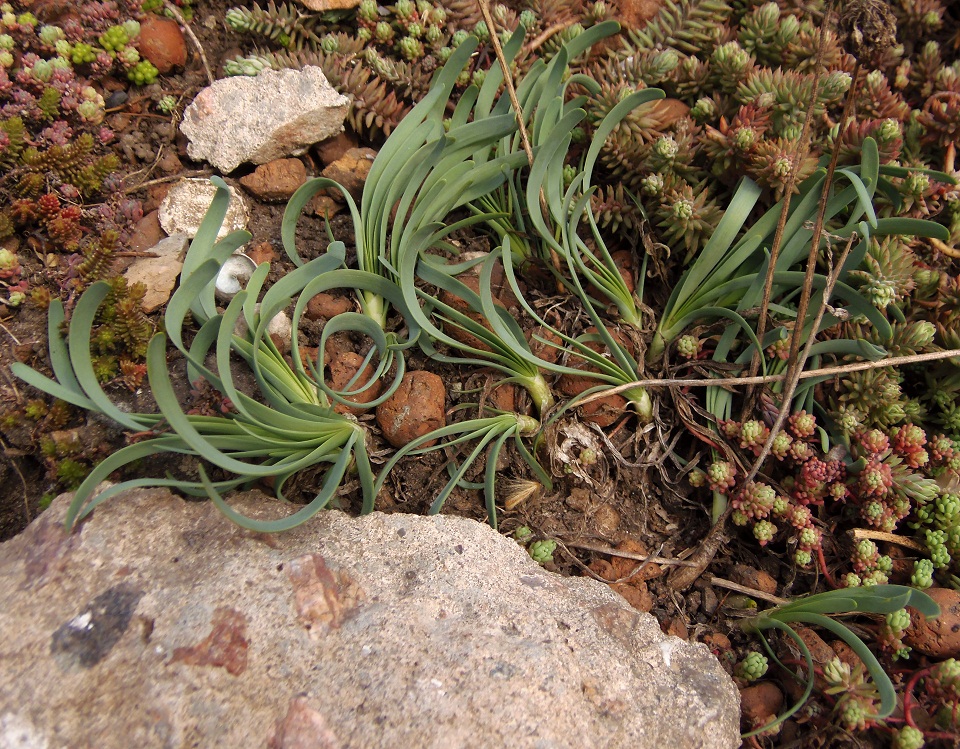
{"points": [[88, 637]]}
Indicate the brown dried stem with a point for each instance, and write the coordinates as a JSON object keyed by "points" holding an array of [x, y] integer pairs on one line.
{"points": [[507, 80], [859, 534], [842, 369], [752, 592], [798, 359], [629, 555], [803, 145]]}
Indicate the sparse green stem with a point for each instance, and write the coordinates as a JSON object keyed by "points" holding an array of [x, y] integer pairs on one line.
{"points": [[640, 402], [374, 307], [539, 390]]}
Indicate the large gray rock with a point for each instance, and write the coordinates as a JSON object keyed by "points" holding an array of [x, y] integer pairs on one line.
{"points": [[161, 624], [274, 114]]}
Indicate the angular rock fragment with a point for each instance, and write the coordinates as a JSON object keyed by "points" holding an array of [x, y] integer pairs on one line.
{"points": [[257, 119]]}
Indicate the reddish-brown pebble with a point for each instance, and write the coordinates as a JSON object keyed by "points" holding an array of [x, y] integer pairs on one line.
{"points": [[262, 252], [325, 306], [636, 595], [169, 163], [333, 148], [146, 233], [761, 701], [675, 626], [351, 170], [940, 637], [635, 14], [416, 408], [324, 206], [846, 654], [342, 369], [718, 642], [624, 566], [754, 578], [668, 111], [155, 196], [276, 180], [162, 43]]}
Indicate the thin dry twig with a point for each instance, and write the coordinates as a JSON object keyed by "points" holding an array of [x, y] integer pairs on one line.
{"points": [[794, 372], [842, 369], [175, 11], [859, 534], [752, 592], [507, 79], [653, 559], [544, 35], [681, 579], [944, 248], [803, 145], [7, 331], [798, 358], [171, 178]]}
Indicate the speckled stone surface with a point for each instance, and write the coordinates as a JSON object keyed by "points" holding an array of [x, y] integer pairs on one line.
{"points": [[161, 624]]}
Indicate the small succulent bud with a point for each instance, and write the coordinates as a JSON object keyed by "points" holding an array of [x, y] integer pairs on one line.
{"points": [[523, 534], [697, 478], [853, 715], [652, 185], [383, 32], [836, 672], [688, 346], [143, 73], [542, 551], [50, 35], [683, 209], [704, 110], [744, 138], [528, 19], [908, 737], [809, 538], [368, 11], [752, 667], [129, 56], [666, 147], [8, 260], [721, 475], [410, 48], [90, 111], [764, 531], [898, 620], [330, 44], [167, 104]]}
